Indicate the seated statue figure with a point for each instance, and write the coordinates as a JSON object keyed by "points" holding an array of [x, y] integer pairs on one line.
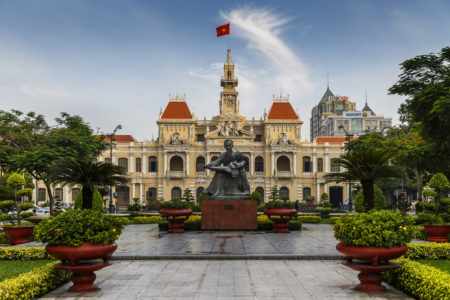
{"points": [[230, 181]]}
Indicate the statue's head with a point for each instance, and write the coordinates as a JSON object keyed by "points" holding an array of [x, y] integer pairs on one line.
{"points": [[228, 145]]}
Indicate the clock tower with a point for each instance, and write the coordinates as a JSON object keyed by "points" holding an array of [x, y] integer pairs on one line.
{"points": [[229, 104]]}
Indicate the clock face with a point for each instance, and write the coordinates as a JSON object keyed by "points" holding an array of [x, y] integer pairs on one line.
{"points": [[230, 103]]}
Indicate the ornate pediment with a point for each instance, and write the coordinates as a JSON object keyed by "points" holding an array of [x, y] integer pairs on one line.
{"points": [[229, 129]]}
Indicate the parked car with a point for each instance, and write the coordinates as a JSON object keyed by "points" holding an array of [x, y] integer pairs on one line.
{"points": [[43, 211]]}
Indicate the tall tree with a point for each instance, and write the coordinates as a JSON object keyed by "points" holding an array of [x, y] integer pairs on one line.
{"points": [[365, 165], [425, 81], [30, 144]]}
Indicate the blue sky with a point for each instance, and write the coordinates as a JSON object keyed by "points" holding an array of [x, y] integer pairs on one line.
{"points": [[116, 62]]}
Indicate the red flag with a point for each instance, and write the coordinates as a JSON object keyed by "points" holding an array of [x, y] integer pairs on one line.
{"points": [[223, 30]]}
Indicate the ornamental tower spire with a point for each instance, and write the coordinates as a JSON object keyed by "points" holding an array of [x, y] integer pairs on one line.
{"points": [[229, 104]]}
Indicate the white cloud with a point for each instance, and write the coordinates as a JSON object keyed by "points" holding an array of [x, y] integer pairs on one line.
{"points": [[44, 91]]}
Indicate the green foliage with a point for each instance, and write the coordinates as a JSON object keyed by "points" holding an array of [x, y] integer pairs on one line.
{"points": [[154, 204], [10, 269], [429, 193], [33, 284], [428, 218], [428, 251], [4, 239], [97, 201], [324, 197], [202, 197], [425, 207], [187, 195], [439, 182], [419, 280], [175, 205], [309, 219], [376, 228], [333, 220], [274, 194], [6, 205], [279, 204], [193, 223], [24, 223], [403, 202], [15, 180], [25, 192], [255, 196], [135, 206], [264, 223], [163, 225], [23, 253], [6, 217], [418, 232], [25, 206], [6, 192], [196, 207], [75, 227], [261, 208], [148, 220], [379, 199], [295, 225], [26, 214], [443, 265]]}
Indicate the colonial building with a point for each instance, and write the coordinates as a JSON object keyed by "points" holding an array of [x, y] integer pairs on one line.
{"points": [[161, 169]]}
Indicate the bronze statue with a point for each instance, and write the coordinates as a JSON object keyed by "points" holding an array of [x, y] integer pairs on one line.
{"points": [[230, 181]]}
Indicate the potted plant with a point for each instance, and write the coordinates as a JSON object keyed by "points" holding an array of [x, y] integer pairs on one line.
{"points": [[280, 212], [176, 212], [373, 238], [18, 233], [436, 215], [81, 235]]}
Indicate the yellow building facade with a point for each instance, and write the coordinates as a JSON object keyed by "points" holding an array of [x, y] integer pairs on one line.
{"points": [[163, 168]]}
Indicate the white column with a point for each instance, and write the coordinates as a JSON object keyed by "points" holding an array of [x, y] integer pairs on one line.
{"points": [[314, 162], [164, 163], [272, 163], [140, 192], [294, 161], [326, 161], [66, 194], [187, 163], [131, 168], [133, 192], [144, 163], [207, 162], [252, 162], [318, 192], [113, 160], [325, 189]]}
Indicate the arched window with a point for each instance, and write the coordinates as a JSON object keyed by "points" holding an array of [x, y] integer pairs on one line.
{"points": [[176, 163], [259, 164], [307, 194], [229, 75], [214, 158], [335, 165], [152, 164], [283, 163], [284, 193], [176, 193], [151, 194], [320, 165], [260, 190], [59, 194], [138, 164], [200, 164], [75, 192], [123, 163], [107, 160], [42, 194], [307, 164], [198, 192]]}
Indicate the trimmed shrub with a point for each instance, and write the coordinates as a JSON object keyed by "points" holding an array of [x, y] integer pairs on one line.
{"points": [[193, 223], [4, 239], [147, 220], [309, 219], [295, 225], [196, 207], [25, 206], [255, 196], [419, 280], [26, 214], [23, 253], [6, 205], [379, 199], [163, 225], [6, 217], [261, 208], [333, 220], [428, 251], [97, 201], [418, 232], [264, 223], [33, 284]]}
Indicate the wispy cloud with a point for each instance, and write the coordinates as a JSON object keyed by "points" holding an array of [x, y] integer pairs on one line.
{"points": [[263, 29], [43, 91]]}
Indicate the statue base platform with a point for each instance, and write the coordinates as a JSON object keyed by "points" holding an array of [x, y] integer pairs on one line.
{"points": [[229, 214]]}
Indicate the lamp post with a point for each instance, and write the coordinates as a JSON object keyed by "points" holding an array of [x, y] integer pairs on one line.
{"points": [[348, 137], [111, 138]]}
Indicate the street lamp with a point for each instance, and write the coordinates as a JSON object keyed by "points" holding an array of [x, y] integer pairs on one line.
{"points": [[348, 137], [111, 138]]}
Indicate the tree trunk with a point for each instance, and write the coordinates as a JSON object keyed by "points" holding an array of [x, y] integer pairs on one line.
{"points": [[87, 197], [367, 186], [419, 185], [50, 196]]}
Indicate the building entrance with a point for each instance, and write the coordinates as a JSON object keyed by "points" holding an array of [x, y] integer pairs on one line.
{"points": [[123, 198], [336, 196]]}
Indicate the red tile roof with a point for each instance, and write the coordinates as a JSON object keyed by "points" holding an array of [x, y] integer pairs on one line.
{"points": [[282, 111], [121, 138], [177, 110], [332, 139]]}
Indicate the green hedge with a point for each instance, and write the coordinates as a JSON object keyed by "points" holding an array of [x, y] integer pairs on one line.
{"points": [[147, 220], [23, 253], [334, 219], [309, 219], [428, 251], [419, 280], [295, 225], [34, 283], [418, 232], [4, 239], [163, 225]]}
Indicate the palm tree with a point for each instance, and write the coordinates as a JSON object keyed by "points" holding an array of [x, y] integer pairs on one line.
{"points": [[88, 173], [365, 165]]}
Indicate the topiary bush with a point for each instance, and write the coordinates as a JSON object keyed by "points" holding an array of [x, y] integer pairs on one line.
{"points": [[379, 199], [418, 232], [26, 206], [309, 219], [6, 205], [163, 225], [196, 208], [97, 201], [295, 225], [193, 223], [264, 223], [428, 251], [255, 196], [147, 220]]}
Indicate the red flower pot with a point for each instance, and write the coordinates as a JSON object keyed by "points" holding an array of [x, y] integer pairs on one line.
{"points": [[437, 233], [285, 215], [85, 251], [18, 234], [176, 218], [373, 255]]}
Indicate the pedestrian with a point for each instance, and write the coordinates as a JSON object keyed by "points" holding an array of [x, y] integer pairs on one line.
{"points": [[296, 205]]}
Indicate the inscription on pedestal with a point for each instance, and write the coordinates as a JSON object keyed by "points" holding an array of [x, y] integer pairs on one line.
{"points": [[229, 215]]}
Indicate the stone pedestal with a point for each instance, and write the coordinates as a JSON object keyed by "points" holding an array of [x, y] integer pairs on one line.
{"points": [[229, 214]]}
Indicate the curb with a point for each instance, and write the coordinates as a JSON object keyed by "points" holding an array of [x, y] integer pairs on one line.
{"points": [[228, 257]]}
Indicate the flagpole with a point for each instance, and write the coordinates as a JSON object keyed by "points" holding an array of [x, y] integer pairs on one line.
{"points": [[229, 36]]}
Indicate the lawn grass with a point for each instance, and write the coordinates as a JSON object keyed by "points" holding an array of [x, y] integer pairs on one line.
{"points": [[12, 268], [443, 265]]}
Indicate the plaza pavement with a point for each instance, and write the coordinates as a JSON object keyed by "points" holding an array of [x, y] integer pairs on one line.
{"points": [[226, 265]]}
